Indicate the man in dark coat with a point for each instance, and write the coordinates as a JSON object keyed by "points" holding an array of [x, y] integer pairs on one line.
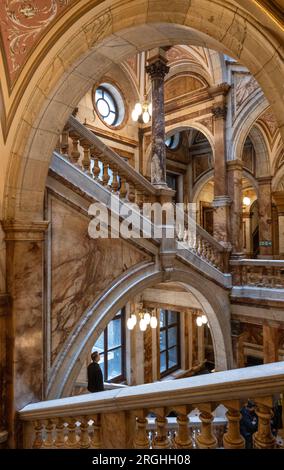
{"points": [[95, 375], [248, 423]]}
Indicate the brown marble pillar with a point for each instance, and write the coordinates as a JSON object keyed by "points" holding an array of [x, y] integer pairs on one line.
{"points": [[4, 313], [25, 352], [221, 202], [247, 235], [157, 69], [270, 343], [265, 217], [235, 169], [278, 197], [238, 344]]}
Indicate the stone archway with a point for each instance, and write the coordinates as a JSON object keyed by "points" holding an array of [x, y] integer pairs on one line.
{"points": [[213, 299], [109, 34]]}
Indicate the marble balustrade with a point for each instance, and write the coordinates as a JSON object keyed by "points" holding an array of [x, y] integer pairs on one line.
{"points": [[259, 273], [137, 417], [129, 184]]}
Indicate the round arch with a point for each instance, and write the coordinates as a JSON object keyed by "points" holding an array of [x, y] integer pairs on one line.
{"points": [[107, 34], [213, 299]]}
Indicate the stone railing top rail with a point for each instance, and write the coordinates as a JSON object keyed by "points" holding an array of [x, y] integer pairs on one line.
{"points": [[217, 387], [258, 262], [113, 158]]}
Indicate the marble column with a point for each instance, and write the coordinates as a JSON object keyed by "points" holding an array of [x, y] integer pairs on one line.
{"points": [[270, 343], [278, 197], [4, 314], [235, 170], [247, 237], [25, 285], [265, 217], [157, 69], [238, 344], [221, 202]]}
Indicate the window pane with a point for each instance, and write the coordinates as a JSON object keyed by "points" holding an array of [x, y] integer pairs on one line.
{"points": [[103, 108], [172, 336], [114, 333], [163, 344], [163, 362], [114, 363], [173, 357], [172, 317], [162, 318], [99, 94], [99, 344], [102, 364], [110, 118], [109, 99]]}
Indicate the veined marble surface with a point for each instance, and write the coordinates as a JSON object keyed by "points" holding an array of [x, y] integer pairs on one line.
{"points": [[81, 268]]}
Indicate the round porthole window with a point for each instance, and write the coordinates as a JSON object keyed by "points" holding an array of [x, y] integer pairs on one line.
{"points": [[173, 141], [109, 104]]}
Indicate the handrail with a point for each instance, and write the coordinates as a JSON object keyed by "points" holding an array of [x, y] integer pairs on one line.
{"points": [[238, 384], [130, 173]]}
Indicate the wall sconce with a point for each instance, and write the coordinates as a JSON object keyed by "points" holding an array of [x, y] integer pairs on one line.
{"points": [[145, 318]]}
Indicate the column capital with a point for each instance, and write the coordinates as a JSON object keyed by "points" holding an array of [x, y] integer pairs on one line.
{"points": [[221, 201], [158, 69], [24, 231], [236, 164], [219, 90], [264, 179]]}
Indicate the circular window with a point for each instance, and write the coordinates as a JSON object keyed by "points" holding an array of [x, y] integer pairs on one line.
{"points": [[173, 141], [109, 104]]}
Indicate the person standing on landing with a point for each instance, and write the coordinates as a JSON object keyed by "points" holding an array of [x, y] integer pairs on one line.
{"points": [[95, 375]]}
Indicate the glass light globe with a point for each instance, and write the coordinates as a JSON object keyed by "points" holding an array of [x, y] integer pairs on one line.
{"points": [[138, 108], [134, 115], [147, 318], [153, 322], [204, 319], [146, 117], [134, 318], [199, 321], [246, 201], [150, 109], [130, 324], [142, 324]]}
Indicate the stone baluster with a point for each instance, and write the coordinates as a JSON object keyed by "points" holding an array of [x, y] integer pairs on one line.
{"points": [[75, 153], [38, 442], [141, 438], [59, 437], [65, 143], [105, 173], [131, 192], [232, 439], [71, 441], [206, 439], [115, 182], [86, 162], [84, 434], [96, 437], [263, 438], [96, 168], [123, 189], [161, 440], [48, 442], [183, 438]]}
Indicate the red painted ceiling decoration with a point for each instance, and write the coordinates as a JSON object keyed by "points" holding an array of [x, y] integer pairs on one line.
{"points": [[23, 24]]}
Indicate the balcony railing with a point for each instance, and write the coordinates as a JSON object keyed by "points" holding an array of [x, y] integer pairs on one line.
{"points": [[120, 418]]}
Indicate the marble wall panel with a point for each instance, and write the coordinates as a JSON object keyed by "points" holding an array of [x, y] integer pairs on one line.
{"points": [[80, 268]]}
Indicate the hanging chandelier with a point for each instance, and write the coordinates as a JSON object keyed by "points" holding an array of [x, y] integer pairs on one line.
{"points": [[142, 112], [202, 320], [143, 318]]}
